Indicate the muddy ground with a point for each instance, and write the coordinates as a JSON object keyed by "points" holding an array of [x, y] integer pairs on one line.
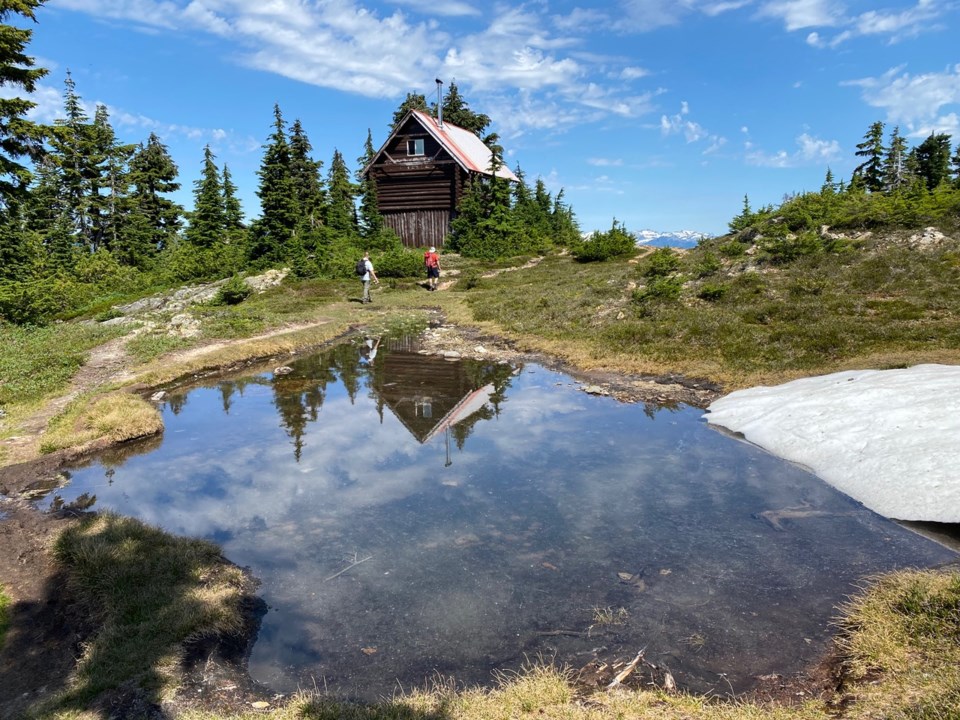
{"points": [[49, 627]]}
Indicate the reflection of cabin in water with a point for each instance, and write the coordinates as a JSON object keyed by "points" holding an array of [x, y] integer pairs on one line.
{"points": [[427, 394], [421, 173]]}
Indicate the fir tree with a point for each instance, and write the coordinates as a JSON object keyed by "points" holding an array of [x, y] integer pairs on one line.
{"points": [[307, 183], [19, 138], [341, 214], [109, 184], [232, 210], [456, 110], [745, 219], [370, 220], [278, 200], [207, 221], [933, 159], [871, 169], [413, 101], [895, 163], [566, 231], [155, 219], [71, 148], [955, 162]]}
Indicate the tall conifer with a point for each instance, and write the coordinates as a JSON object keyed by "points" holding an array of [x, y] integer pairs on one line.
{"points": [[341, 213], [19, 138], [278, 201], [371, 222], [207, 221], [871, 169]]}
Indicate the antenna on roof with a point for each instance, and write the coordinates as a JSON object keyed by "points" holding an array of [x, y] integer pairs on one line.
{"points": [[439, 83]]}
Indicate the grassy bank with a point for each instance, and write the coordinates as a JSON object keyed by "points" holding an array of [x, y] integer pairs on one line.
{"points": [[899, 641], [149, 593]]}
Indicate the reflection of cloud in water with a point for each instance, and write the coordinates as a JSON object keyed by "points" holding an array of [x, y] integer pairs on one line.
{"points": [[526, 530]]}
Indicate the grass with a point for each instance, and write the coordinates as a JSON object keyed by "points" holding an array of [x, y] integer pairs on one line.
{"points": [[36, 362], [151, 593], [116, 417], [739, 321], [4, 615]]}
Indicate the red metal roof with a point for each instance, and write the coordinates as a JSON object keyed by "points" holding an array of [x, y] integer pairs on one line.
{"points": [[464, 147]]}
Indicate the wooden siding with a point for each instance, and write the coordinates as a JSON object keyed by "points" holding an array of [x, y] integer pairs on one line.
{"points": [[419, 228], [417, 195]]}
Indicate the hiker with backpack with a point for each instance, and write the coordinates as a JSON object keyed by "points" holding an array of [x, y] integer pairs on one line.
{"points": [[431, 259], [366, 273]]}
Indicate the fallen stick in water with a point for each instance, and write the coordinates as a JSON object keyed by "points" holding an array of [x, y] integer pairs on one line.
{"points": [[622, 675], [348, 567]]}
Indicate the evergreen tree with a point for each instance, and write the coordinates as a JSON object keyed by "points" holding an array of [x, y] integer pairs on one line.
{"points": [[109, 184], [745, 219], [955, 161], [566, 231], [456, 110], [895, 163], [48, 215], [278, 200], [871, 169], [232, 210], [933, 159], [19, 138], [413, 101], [154, 218], [208, 220], [370, 220], [307, 182], [341, 213], [71, 147]]}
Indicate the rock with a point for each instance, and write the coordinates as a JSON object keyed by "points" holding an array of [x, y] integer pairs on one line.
{"points": [[158, 396], [184, 325], [594, 390], [283, 370], [269, 279], [451, 355], [930, 237]]}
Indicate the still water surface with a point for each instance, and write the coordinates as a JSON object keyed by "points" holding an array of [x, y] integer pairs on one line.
{"points": [[410, 515]]}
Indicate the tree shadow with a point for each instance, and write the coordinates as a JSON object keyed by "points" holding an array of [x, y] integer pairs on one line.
{"points": [[130, 610]]}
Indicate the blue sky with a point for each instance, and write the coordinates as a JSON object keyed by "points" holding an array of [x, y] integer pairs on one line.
{"points": [[661, 113]]}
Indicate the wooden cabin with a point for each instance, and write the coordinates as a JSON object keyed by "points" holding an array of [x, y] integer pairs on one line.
{"points": [[421, 173]]}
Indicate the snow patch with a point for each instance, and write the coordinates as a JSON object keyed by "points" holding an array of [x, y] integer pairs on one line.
{"points": [[888, 438]]}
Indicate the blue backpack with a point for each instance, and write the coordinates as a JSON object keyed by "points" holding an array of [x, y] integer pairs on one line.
{"points": [[361, 267]]}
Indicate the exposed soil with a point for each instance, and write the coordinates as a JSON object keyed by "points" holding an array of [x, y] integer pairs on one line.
{"points": [[49, 628]]}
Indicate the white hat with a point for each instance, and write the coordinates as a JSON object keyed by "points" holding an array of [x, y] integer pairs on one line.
{"points": [[432, 249]]}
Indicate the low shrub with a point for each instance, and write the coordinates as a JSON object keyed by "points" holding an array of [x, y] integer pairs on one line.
{"points": [[601, 246], [233, 292]]}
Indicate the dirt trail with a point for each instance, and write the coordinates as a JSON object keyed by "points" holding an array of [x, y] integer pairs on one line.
{"points": [[111, 364]]}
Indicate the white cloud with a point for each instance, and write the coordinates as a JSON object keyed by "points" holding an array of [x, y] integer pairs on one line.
{"points": [[914, 101], [799, 14], [898, 25], [717, 8], [580, 18], [605, 162], [633, 73], [542, 73], [693, 132], [445, 8], [810, 151]]}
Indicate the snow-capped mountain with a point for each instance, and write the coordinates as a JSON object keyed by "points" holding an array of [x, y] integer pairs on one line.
{"points": [[678, 238]]}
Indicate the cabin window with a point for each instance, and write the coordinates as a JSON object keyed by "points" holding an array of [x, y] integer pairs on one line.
{"points": [[415, 147]]}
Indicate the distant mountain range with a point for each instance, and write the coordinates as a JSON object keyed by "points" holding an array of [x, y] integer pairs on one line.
{"points": [[678, 238]]}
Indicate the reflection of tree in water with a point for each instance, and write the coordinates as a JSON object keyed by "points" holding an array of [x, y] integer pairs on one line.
{"points": [[299, 395], [499, 376], [396, 377]]}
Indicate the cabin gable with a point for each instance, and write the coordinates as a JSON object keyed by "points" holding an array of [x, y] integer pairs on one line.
{"points": [[421, 173]]}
